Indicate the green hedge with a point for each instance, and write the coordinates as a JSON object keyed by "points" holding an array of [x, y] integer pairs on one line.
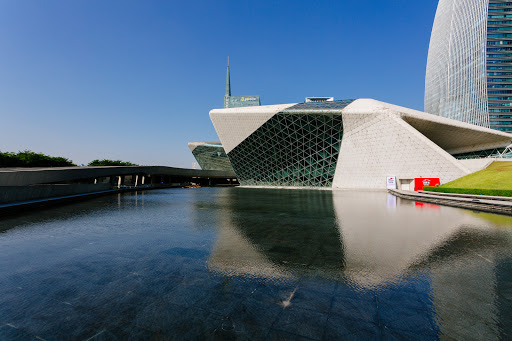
{"points": [[493, 192]]}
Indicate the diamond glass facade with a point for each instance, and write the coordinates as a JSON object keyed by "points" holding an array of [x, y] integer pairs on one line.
{"points": [[290, 150], [212, 157]]}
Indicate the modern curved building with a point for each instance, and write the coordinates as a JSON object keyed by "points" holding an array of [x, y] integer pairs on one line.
{"points": [[350, 144], [469, 67]]}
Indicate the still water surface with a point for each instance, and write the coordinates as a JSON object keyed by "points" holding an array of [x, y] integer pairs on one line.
{"points": [[255, 264]]}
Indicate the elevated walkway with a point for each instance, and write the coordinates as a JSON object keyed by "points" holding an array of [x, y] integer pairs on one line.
{"points": [[32, 176]]}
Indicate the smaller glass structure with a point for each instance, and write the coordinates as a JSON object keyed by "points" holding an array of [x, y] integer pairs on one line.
{"points": [[210, 156]]}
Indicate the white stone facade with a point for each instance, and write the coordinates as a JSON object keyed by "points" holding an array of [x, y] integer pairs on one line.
{"points": [[379, 140], [233, 125]]}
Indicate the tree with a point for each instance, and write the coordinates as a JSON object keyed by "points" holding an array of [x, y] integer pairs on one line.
{"points": [[28, 158], [106, 162]]}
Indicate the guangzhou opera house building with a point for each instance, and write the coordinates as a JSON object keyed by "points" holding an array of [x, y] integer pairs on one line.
{"points": [[469, 67], [350, 144]]}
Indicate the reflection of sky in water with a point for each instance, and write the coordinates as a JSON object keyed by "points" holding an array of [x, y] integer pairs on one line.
{"points": [[255, 264]]}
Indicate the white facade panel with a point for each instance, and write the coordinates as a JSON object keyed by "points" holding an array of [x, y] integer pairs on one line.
{"points": [[235, 124], [388, 145]]}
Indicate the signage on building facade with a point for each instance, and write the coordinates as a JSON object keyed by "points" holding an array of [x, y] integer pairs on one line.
{"points": [[419, 183], [391, 182], [242, 101]]}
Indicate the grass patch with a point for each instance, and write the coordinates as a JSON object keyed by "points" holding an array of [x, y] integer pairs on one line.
{"points": [[476, 191], [497, 176]]}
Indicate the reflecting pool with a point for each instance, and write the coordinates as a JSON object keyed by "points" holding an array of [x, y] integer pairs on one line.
{"points": [[255, 264]]}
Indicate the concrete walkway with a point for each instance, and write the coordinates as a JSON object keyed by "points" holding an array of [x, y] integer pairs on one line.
{"points": [[483, 203]]}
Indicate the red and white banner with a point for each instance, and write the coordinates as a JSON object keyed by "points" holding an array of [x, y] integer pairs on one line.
{"points": [[419, 183]]}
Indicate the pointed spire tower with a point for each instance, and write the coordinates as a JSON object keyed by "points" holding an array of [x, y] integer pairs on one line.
{"points": [[227, 94]]}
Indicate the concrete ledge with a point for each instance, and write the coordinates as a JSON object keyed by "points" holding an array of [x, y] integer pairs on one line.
{"points": [[481, 203], [478, 196]]}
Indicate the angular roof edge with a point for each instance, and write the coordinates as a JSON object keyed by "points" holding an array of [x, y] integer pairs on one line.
{"points": [[367, 105], [263, 109], [194, 145]]}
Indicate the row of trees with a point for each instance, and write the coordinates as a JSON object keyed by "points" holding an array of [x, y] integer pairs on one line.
{"points": [[106, 162], [28, 158]]}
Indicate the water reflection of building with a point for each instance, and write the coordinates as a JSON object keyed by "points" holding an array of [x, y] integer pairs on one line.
{"points": [[335, 235], [446, 265], [295, 247]]}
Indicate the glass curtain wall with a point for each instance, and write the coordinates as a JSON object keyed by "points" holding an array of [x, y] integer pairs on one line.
{"points": [[499, 64], [455, 80], [290, 150]]}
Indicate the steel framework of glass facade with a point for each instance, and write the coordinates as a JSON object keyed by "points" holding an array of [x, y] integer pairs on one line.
{"points": [[290, 150], [469, 68], [499, 153]]}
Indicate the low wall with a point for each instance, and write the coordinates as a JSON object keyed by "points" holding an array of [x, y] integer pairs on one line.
{"points": [[10, 194]]}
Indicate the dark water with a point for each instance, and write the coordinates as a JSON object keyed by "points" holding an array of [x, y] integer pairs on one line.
{"points": [[255, 264]]}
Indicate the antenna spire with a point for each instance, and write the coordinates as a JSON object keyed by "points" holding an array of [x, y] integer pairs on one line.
{"points": [[228, 83]]}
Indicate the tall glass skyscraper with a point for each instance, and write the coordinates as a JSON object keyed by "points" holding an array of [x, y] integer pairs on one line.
{"points": [[469, 67]]}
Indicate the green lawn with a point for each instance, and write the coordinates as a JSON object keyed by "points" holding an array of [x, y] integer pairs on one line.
{"points": [[495, 180], [497, 176]]}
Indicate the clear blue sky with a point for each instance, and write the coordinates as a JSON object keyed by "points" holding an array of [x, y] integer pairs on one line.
{"points": [[135, 80]]}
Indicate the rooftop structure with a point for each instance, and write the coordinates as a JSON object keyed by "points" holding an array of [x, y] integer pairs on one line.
{"points": [[319, 99], [469, 68], [349, 144]]}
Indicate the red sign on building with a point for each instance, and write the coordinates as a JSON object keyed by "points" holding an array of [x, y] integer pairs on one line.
{"points": [[419, 183]]}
